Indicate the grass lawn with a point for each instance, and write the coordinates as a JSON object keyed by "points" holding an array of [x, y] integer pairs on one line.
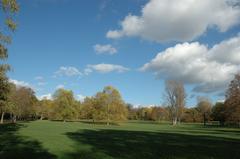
{"points": [[133, 140]]}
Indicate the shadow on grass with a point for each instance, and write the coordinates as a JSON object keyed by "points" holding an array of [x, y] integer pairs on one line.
{"points": [[13, 146], [118, 144], [99, 122]]}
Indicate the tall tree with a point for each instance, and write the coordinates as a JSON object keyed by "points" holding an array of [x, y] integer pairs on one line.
{"points": [[175, 99], [9, 8], [232, 102], [218, 113], [23, 102], [116, 108], [86, 109], [204, 107], [64, 104], [109, 106], [4, 89], [44, 109]]}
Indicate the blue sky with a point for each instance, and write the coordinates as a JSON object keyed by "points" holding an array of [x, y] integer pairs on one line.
{"points": [[86, 45]]}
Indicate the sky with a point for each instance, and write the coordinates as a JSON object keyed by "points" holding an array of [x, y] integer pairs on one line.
{"points": [[133, 45]]}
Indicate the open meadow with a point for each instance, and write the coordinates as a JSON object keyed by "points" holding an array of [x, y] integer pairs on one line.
{"points": [[119, 79], [132, 140]]}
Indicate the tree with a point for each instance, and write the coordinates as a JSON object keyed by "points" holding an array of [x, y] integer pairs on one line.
{"points": [[204, 107], [158, 114], [87, 109], [44, 108], [108, 105], [175, 98], [232, 102], [4, 89], [22, 102], [64, 104], [218, 113], [192, 115], [116, 108], [9, 8]]}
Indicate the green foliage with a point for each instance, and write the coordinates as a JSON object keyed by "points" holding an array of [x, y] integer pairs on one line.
{"points": [[4, 89], [106, 105], [22, 102], [232, 102], [8, 8], [64, 103], [218, 113]]}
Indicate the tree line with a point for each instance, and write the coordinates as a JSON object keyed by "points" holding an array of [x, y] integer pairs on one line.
{"points": [[108, 106], [22, 104]]}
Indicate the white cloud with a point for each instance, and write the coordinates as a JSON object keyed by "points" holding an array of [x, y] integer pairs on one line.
{"points": [[105, 49], [106, 68], [175, 20], [87, 71], [227, 51], [20, 83], [39, 78], [60, 86], [80, 97], [45, 96], [194, 63], [67, 71]]}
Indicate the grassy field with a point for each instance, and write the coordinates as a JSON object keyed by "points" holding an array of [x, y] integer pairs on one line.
{"points": [[135, 140]]}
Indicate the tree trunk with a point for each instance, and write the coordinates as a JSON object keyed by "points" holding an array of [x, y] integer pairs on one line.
{"points": [[179, 120], [204, 119], [41, 118], [2, 117], [108, 114], [14, 118], [174, 121]]}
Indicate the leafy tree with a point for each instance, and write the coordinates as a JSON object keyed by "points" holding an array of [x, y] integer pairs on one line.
{"points": [[175, 99], [4, 89], [132, 112], [64, 104], [9, 8], [192, 115], [232, 102], [44, 109], [108, 105], [116, 108], [22, 101], [158, 114], [204, 107], [218, 113], [87, 110]]}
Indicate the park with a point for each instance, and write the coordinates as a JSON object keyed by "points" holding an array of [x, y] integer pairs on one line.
{"points": [[133, 79], [130, 140]]}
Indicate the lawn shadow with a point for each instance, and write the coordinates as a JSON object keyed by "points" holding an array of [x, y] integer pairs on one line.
{"points": [[99, 122], [119, 144], [13, 146]]}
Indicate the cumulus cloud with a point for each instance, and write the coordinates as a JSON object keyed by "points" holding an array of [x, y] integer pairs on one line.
{"points": [[210, 69], [45, 96], [105, 49], [174, 20], [60, 86], [20, 83], [67, 71], [106, 68], [80, 97]]}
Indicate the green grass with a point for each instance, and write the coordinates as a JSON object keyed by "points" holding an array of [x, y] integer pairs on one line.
{"points": [[133, 140]]}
